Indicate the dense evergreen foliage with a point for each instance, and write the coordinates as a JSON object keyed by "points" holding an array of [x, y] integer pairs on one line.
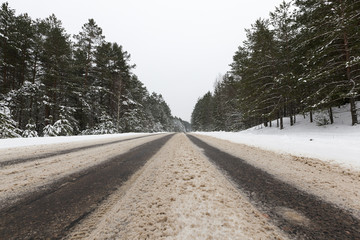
{"points": [[304, 58], [51, 85]]}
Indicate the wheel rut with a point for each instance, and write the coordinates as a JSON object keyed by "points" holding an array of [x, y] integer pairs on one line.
{"points": [[66, 151], [52, 213], [301, 215]]}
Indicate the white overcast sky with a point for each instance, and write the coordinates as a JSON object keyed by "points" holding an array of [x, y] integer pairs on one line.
{"points": [[179, 46]]}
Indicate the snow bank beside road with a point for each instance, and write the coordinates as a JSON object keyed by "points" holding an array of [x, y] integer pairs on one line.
{"points": [[337, 143]]}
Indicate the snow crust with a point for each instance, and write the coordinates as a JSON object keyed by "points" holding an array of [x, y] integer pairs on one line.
{"points": [[337, 143]]}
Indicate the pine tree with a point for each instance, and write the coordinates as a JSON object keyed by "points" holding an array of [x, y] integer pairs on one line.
{"points": [[158, 110], [330, 36], [8, 127], [30, 130], [8, 51], [225, 103], [55, 64], [22, 109], [254, 65], [286, 85], [202, 116], [88, 41], [54, 87]]}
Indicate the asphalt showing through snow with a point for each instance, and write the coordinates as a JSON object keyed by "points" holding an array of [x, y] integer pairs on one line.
{"points": [[301, 215], [50, 214], [66, 151]]}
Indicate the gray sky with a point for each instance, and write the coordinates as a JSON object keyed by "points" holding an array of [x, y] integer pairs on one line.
{"points": [[179, 46]]}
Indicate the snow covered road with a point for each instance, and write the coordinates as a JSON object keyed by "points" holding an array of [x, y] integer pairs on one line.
{"points": [[68, 189], [300, 214], [177, 194], [30, 168]]}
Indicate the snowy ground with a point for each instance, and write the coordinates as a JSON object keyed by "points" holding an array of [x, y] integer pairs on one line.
{"points": [[337, 143]]}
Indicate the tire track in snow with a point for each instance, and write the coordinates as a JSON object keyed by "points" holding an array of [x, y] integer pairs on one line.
{"points": [[19, 182], [325, 180], [296, 212], [54, 212], [63, 152], [178, 194]]}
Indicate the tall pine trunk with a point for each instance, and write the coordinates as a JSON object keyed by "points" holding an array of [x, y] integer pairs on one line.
{"points": [[353, 111], [354, 120], [348, 68], [331, 116], [5, 80], [119, 93], [291, 115], [34, 68], [54, 99], [265, 123], [281, 118]]}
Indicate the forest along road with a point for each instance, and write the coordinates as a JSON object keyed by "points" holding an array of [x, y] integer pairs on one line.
{"points": [[173, 187]]}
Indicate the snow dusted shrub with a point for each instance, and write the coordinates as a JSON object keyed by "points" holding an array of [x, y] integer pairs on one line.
{"points": [[61, 127], [8, 127], [105, 126], [158, 127], [30, 131], [131, 120], [49, 131], [322, 119]]}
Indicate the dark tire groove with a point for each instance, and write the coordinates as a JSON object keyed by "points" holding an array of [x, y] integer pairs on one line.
{"points": [[327, 221], [53, 212], [66, 151]]}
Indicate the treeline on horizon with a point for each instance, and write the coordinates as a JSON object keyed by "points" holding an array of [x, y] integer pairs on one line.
{"points": [[55, 85], [304, 58]]}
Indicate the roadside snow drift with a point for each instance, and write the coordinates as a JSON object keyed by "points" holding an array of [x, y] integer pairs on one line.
{"points": [[338, 143]]}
